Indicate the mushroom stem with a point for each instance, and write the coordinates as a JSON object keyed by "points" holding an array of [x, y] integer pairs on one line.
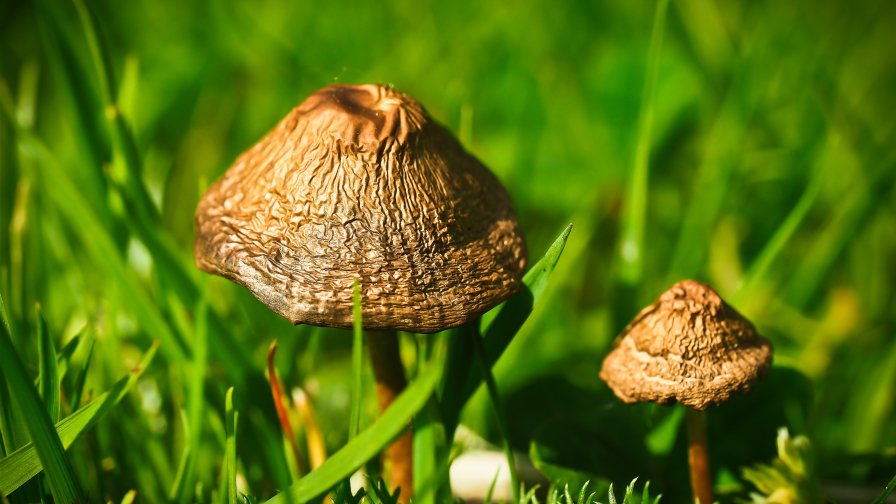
{"points": [[390, 381], [698, 457]]}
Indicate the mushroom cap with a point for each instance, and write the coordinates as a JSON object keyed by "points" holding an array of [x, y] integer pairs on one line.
{"points": [[689, 346], [359, 182]]}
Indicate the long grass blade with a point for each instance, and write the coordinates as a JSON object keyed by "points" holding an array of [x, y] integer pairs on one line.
{"points": [[779, 239], [431, 479], [228, 474], [492, 388], [60, 476], [194, 415], [8, 433], [354, 423], [882, 498], [180, 488], [632, 238]]}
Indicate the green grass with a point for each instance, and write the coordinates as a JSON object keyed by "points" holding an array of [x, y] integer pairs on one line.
{"points": [[747, 144]]}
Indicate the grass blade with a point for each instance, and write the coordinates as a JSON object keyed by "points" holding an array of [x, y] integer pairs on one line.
{"points": [[49, 372], [369, 442], [64, 357], [779, 239], [354, 423], [60, 475], [492, 388], [10, 435], [193, 417], [228, 472], [81, 377], [24, 463], [882, 498], [431, 480], [424, 456], [632, 238], [180, 489]]}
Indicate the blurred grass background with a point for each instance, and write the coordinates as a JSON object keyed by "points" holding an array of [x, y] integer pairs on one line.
{"points": [[771, 176]]}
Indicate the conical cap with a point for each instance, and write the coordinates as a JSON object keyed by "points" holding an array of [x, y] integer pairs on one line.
{"points": [[690, 347], [359, 182]]}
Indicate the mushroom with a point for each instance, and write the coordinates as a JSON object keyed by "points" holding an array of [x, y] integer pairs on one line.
{"points": [[358, 182], [688, 347]]}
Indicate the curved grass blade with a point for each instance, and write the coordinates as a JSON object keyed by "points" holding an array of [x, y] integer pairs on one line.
{"points": [[8, 433], [369, 442], [882, 498], [492, 388], [60, 475], [24, 463]]}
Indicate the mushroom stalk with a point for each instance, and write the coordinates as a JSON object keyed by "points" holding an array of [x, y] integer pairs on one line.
{"points": [[698, 456], [390, 381]]}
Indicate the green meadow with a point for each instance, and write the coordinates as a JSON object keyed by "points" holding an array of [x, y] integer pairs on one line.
{"points": [[750, 145]]}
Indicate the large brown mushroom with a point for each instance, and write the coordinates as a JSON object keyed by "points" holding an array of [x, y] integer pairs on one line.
{"points": [[690, 347], [357, 182]]}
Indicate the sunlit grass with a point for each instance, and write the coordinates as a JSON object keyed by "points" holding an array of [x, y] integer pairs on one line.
{"points": [[747, 144]]}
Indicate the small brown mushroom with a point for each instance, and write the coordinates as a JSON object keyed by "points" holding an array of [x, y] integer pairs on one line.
{"points": [[689, 347], [359, 182]]}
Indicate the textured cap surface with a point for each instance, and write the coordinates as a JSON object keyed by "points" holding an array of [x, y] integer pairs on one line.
{"points": [[689, 346], [359, 182]]}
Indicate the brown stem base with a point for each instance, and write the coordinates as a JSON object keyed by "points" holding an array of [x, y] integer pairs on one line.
{"points": [[698, 457], [390, 381]]}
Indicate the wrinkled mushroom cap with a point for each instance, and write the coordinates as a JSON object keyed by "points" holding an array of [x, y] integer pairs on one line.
{"points": [[359, 182], [689, 346]]}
